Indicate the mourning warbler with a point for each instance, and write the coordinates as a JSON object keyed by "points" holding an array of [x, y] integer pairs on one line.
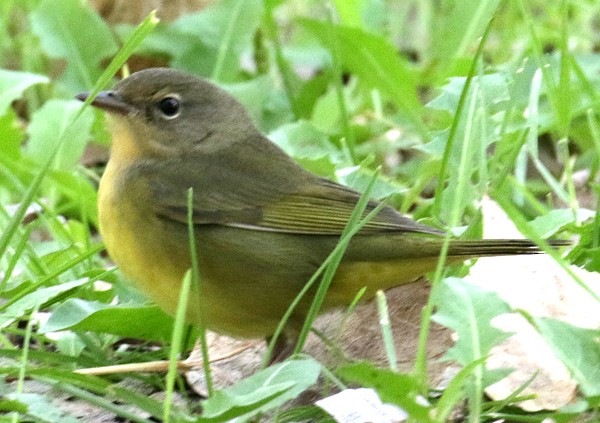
{"points": [[263, 224]]}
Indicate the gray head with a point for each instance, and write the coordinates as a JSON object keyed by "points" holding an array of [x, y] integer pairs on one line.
{"points": [[173, 110]]}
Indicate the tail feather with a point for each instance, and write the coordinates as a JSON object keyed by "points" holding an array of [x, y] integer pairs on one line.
{"points": [[499, 247]]}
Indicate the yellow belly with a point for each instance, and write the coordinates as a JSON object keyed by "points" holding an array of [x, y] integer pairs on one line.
{"points": [[248, 278], [132, 237], [351, 277]]}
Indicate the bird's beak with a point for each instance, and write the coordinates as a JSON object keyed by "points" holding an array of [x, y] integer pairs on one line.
{"points": [[109, 101]]}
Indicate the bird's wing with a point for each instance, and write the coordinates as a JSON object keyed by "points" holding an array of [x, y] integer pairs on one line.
{"points": [[325, 207], [281, 198]]}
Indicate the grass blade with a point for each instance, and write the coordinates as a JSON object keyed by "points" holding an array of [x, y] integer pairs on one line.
{"points": [[196, 283], [337, 256], [386, 330]]}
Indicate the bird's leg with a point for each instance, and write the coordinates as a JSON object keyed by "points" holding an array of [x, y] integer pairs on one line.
{"points": [[284, 347]]}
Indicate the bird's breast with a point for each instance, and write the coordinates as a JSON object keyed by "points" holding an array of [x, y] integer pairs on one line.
{"points": [[150, 256]]}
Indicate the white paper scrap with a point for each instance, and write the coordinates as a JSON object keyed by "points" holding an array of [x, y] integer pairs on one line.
{"points": [[361, 406]]}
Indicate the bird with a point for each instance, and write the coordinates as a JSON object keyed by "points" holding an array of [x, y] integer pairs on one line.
{"points": [[262, 224]]}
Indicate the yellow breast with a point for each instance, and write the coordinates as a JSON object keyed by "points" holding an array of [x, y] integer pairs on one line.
{"points": [[133, 235]]}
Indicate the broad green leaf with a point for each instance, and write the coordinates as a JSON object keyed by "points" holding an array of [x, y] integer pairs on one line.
{"points": [[577, 348], [326, 115], [302, 139], [263, 391], [12, 85], [374, 60], [350, 12], [277, 110], [455, 27], [78, 196], [252, 94], [468, 310], [263, 101], [519, 92], [272, 4], [7, 405], [493, 92], [53, 256], [590, 66], [37, 298], [219, 35], [376, 16], [41, 409], [308, 95], [555, 220], [71, 30], [308, 146], [436, 147], [69, 344], [358, 178], [142, 322], [393, 388], [588, 258], [11, 135], [321, 166], [306, 52], [52, 127], [586, 253], [223, 406], [165, 39], [477, 128]]}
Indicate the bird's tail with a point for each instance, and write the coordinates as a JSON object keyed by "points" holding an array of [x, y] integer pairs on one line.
{"points": [[499, 247]]}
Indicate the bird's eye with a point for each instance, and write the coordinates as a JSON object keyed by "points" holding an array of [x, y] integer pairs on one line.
{"points": [[169, 106]]}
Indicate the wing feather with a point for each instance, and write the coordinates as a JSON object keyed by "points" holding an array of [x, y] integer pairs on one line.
{"points": [[269, 195], [325, 208]]}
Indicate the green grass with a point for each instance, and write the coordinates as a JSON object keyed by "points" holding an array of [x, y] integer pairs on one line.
{"points": [[493, 98]]}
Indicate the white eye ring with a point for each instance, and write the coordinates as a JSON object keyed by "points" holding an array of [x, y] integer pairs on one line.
{"points": [[170, 106]]}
